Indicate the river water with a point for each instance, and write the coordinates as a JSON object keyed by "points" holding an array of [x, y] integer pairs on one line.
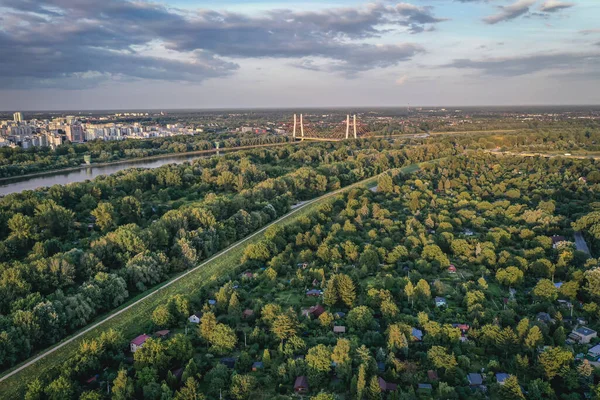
{"points": [[16, 184]]}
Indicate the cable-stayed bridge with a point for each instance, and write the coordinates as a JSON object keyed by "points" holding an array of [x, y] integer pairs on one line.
{"points": [[349, 128]]}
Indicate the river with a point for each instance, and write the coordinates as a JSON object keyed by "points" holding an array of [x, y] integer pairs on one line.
{"points": [[16, 184]]}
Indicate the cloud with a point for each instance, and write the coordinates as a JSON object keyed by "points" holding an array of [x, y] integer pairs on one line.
{"points": [[589, 31], [555, 5], [63, 40], [529, 64], [510, 12], [402, 80]]}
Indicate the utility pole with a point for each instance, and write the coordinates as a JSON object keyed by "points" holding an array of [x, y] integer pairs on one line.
{"points": [[294, 135], [301, 127], [347, 125], [355, 137]]}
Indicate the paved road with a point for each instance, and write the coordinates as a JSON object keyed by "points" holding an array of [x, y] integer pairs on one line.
{"points": [[233, 246], [580, 243]]}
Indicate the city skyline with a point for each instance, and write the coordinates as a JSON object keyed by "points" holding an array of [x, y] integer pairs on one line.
{"points": [[68, 54]]}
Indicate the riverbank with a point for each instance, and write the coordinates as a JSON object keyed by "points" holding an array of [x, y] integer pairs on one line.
{"points": [[21, 178]]}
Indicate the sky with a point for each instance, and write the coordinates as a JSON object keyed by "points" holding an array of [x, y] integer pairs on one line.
{"points": [[172, 54]]}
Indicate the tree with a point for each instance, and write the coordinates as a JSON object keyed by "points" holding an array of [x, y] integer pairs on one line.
{"points": [[152, 354], [434, 253], [361, 382], [440, 358], [554, 359], [360, 318], [509, 276], [90, 396], [396, 338], [190, 391], [223, 339], [369, 260], [534, 337], [545, 290], [374, 392], [346, 289], [511, 390], [284, 326], [385, 184], [190, 371], [592, 278], [409, 290], [341, 357], [122, 387], [242, 386], [105, 216], [323, 396], [208, 322], [161, 316], [423, 290], [35, 390], [60, 389], [318, 361]]}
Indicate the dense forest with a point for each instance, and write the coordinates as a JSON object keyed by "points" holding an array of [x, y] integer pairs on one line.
{"points": [[72, 252], [444, 283]]}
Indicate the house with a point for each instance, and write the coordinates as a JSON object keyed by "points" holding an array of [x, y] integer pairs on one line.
{"points": [[583, 335], [314, 292], [302, 265], [501, 377], [432, 375], [248, 275], [468, 232], [258, 365], [92, 380], [451, 269], [417, 334], [387, 386], [556, 240], [212, 302], [195, 318], [339, 314], [464, 328], [138, 342], [229, 362], [440, 301], [162, 334], [544, 317], [594, 351], [475, 379], [177, 373], [315, 311], [558, 285], [247, 313], [425, 387], [339, 329], [301, 384]]}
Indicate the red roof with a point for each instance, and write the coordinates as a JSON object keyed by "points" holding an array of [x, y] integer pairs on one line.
{"points": [[162, 333], [140, 340], [317, 310], [387, 386]]}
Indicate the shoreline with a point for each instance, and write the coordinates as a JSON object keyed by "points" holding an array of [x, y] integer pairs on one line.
{"points": [[21, 178]]}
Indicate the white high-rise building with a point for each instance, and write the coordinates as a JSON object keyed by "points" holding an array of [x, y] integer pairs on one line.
{"points": [[18, 117]]}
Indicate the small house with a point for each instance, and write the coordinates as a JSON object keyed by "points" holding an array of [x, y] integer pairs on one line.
{"points": [[177, 373], [425, 387], [468, 232], [451, 269], [301, 384], [583, 335], [339, 329], [387, 386], [544, 317], [475, 379], [464, 328], [247, 313], [432, 375], [417, 334], [257, 365], [314, 292], [594, 351], [440, 302], [558, 285], [212, 302], [138, 342], [195, 318], [248, 275], [339, 314], [229, 362], [556, 240], [162, 334], [501, 377]]}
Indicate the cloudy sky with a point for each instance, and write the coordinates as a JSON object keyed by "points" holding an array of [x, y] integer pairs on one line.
{"points": [[119, 54]]}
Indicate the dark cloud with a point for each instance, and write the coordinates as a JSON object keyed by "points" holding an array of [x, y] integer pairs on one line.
{"points": [[507, 13], [90, 41], [524, 65], [555, 5]]}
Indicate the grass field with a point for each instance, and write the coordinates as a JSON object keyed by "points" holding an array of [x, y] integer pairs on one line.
{"points": [[129, 321]]}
